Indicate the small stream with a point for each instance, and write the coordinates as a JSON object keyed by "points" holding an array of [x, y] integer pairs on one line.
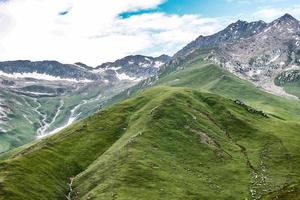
{"points": [[74, 115], [42, 131]]}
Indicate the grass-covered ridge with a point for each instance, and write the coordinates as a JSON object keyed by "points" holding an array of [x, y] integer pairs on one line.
{"points": [[199, 73], [165, 143], [206, 76]]}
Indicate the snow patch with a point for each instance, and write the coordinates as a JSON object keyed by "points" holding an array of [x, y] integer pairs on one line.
{"points": [[273, 59], [42, 131], [144, 65], [291, 30], [124, 76], [39, 76], [79, 66], [27, 119], [4, 111], [266, 30], [115, 68], [99, 71], [2, 130], [73, 116], [282, 63], [158, 64], [40, 93]]}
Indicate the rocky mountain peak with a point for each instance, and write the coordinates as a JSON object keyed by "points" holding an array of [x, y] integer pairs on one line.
{"points": [[287, 17], [235, 31], [256, 51], [284, 27], [286, 20], [237, 24], [164, 58], [265, 54], [242, 29], [134, 67], [83, 66], [286, 23]]}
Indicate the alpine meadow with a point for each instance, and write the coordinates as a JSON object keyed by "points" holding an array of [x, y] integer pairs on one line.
{"points": [[192, 110]]}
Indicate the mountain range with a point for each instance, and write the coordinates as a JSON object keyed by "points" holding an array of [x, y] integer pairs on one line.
{"points": [[41, 98], [256, 51], [218, 120]]}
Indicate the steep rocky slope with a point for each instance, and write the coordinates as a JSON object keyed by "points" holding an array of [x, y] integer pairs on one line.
{"points": [[257, 51], [136, 67]]}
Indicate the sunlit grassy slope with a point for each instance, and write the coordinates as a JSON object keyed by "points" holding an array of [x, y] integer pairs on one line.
{"points": [[209, 77], [201, 74], [293, 88], [165, 143]]}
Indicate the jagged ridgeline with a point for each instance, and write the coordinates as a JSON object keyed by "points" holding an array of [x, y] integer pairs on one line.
{"points": [[165, 143]]}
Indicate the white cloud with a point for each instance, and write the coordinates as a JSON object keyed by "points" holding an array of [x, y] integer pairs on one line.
{"points": [[239, 1], [91, 31], [255, 1], [269, 13]]}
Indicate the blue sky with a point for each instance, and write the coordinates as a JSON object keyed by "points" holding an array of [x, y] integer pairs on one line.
{"points": [[218, 8], [97, 31]]}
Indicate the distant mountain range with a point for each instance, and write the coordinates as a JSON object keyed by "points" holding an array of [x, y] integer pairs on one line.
{"points": [[41, 98], [129, 68]]}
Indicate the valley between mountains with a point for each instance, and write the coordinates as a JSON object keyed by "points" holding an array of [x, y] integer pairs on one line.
{"points": [[218, 120]]}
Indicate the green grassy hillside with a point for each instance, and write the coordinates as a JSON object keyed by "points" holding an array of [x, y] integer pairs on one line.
{"points": [[22, 128], [198, 73], [206, 76], [293, 88], [165, 143]]}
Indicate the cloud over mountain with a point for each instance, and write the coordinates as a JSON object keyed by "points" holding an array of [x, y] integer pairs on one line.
{"points": [[71, 31]]}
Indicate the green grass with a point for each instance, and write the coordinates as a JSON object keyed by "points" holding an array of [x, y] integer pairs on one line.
{"points": [[198, 73], [293, 88], [184, 139], [290, 192], [19, 130], [165, 143], [206, 76]]}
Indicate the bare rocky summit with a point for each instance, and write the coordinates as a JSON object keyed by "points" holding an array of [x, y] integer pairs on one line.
{"points": [[259, 52]]}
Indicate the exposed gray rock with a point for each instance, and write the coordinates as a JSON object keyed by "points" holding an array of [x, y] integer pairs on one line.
{"points": [[136, 67], [233, 32], [51, 68], [255, 51]]}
